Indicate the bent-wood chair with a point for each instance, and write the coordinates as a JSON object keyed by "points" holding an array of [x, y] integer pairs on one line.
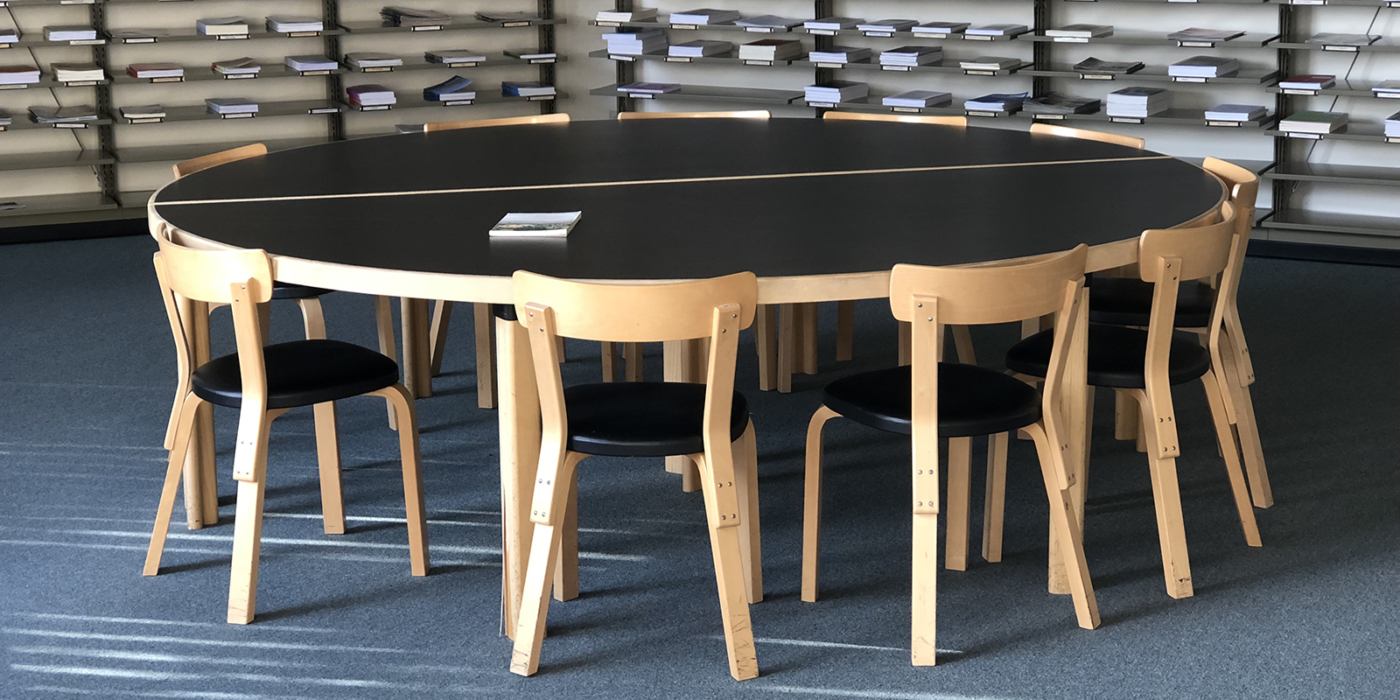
{"points": [[264, 382], [761, 114], [709, 423], [930, 399], [900, 118], [1145, 364], [1087, 135]]}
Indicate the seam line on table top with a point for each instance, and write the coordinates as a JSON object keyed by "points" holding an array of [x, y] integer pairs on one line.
{"points": [[664, 181]]}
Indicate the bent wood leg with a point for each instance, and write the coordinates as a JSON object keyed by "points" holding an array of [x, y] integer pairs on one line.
{"points": [[905, 343], [1166, 498], [633, 367], [201, 496], [1076, 410], [812, 504], [1070, 535], [566, 566], [787, 350], [959, 497], [184, 427], [750, 544], [682, 360], [1226, 438], [437, 334], [1245, 426], [519, 418], [539, 576], [485, 327], [845, 330], [924, 617], [384, 327], [1125, 417], [328, 464], [248, 519], [608, 354], [417, 356], [994, 507], [729, 578], [765, 333], [416, 514]]}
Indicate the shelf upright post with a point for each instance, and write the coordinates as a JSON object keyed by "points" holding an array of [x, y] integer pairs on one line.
{"points": [[625, 72], [1283, 189], [1040, 51], [106, 133], [335, 84], [546, 32], [820, 9]]}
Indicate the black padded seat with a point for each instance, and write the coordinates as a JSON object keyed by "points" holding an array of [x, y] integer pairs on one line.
{"points": [[1116, 356], [300, 373], [1128, 302], [287, 290], [643, 419], [972, 400]]}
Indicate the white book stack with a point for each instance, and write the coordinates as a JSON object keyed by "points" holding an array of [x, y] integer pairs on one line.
{"points": [[832, 24], [767, 23], [989, 63], [231, 105], [222, 26], [700, 48], [1204, 67], [293, 24], [638, 15], [1313, 122], [836, 91], [77, 72], [372, 60], [1392, 126], [1009, 103], [237, 66], [771, 50], [70, 33], [911, 56], [1236, 113], [1386, 89], [1137, 102], [303, 64], [371, 96], [636, 43], [998, 30], [155, 71], [143, 112], [9, 36], [18, 75], [704, 16], [841, 54], [886, 27], [452, 56], [1080, 31], [918, 99], [940, 29]]}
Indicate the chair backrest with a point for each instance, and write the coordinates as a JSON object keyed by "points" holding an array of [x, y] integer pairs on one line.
{"points": [[902, 118], [745, 114], [1202, 251], [194, 165], [558, 118], [931, 297], [1072, 133]]}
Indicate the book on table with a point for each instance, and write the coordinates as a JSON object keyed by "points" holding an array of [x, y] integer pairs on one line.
{"points": [[700, 48], [1201, 35], [311, 62], [454, 89], [531, 55], [644, 14], [1057, 104], [398, 16], [841, 54], [536, 225], [1308, 82], [1080, 31], [832, 24], [505, 17], [533, 88], [19, 75], [70, 33], [143, 112], [835, 91], [222, 26], [1137, 102], [237, 66], [641, 88], [937, 29], [990, 63], [703, 16], [288, 24], [997, 30], [372, 59], [63, 115], [155, 70], [911, 56], [1204, 67], [636, 42], [1098, 66], [231, 105], [1392, 125], [768, 22], [1236, 113], [1386, 88], [371, 95], [1335, 39], [771, 50], [77, 72], [887, 26], [918, 99], [1313, 122], [454, 56], [1009, 103]]}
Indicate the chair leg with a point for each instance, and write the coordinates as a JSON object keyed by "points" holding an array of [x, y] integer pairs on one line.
{"points": [[180, 443], [485, 327], [566, 568], [959, 498], [924, 598], [313, 319], [539, 575], [729, 579], [328, 461], [247, 528], [563, 349], [409, 454], [1166, 497], [812, 504], [765, 331], [265, 322], [437, 335], [633, 369], [807, 337], [750, 543], [906, 343], [1245, 425], [1226, 438], [608, 353], [1069, 532], [1125, 417], [384, 324], [994, 507], [417, 355], [787, 347], [845, 330]]}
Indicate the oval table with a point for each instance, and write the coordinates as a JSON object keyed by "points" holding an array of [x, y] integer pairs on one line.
{"points": [[819, 211]]}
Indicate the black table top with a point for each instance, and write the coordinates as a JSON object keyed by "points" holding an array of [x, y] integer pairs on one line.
{"points": [[678, 199]]}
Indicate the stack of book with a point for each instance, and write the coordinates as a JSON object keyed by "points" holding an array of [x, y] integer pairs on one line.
{"points": [[9, 36], [18, 75], [222, 26], [886, 27], [70, 33], [771, 50], [396, 16], [700, 48], [1331, 39], [143, 114], [911, 56], [997, 30], [996, 104], [310, 64], [1138, 102], [373, 96], [841, 54], [1080, 31], [63, 115], [636, 42], [1392, 126], [831, 24], [767, 23], [293, 24], [1204, 67], [918, 99], [649, 88], [137, 36], [237, 66], [1098, 66], [156, 71], [989, 63], [532, 88], [1198, 36], [532, 56], [1313, 122], [5, 119], [77, 73], [940, 29], [231, 105], [454, 56], [507, 19], [1308, 83], [373, 60], [1388, 88], [454, 89], [616, 16], [543, 225], [836, 91], [1057, 105], [704, 16], [1236, 113]]}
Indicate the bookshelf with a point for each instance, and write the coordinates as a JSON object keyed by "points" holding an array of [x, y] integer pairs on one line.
{"points": [[107, 168]]}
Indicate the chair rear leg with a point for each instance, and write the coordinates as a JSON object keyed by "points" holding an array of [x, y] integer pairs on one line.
{"points": [[384, 327], [437, 335], [484, 325], [180, 443], [566, 568], [415, 509], [746, 480], [1263, 493], [1068, 532], [994, 507], [765, 332], [608, 354], [328, 462], [958, 503], [1226, 439], [1166, 498], [812, 504], [845, 330]]}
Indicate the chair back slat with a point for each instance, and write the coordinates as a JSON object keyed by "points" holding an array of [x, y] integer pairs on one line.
{"points": [[900, 118], [636, 313], [1203, 251], [1087, 135], [984, 295], [194, 165], [558, 118], [206, 275], [759, 114]]}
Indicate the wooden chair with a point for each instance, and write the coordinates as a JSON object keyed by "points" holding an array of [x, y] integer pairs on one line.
{"points": [[264, 382], [484, 321], [901, 118], [707, 422], [747, 114], [1128, 302], [930, 399], [1072, 133], [1145, 364]]}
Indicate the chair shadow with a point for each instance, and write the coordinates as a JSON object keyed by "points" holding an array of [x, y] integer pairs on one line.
{"points": [[194, 566]]}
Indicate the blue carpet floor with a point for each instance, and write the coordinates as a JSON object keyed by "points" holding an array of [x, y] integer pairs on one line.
{"points": [[86, 379]]}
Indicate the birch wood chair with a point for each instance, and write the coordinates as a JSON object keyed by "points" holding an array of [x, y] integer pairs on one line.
{"points": [[929, 400], [1073, 133], [1145, 364], [901, 118], [707, 422], [745, 114], [484, 321], [264, 382]]}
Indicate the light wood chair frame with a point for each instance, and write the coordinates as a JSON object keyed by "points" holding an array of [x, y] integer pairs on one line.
{"points": [[929, 298], [760, 114], [242, 279], [715, 309], [1088, 135], [934, 120]]}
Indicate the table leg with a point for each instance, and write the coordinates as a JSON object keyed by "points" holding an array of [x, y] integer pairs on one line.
{"points": [[417, 354], [807, 337], [787, 350], [765, 331], [519, 415], [1075, 410], [683, 361]]}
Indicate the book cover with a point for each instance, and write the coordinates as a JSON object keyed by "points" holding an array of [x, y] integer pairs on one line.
{"points": [[538, 225]]}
